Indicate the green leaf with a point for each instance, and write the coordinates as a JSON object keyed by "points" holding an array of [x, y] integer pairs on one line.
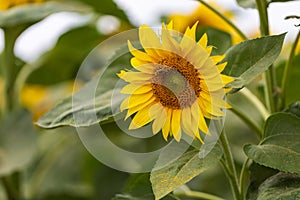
{"points": [[281, 186], [34, 13], [294, 109], [280, 152], [108, 7], [17, 142], [86, 102], [251, 58], [258, 174], [219, 39], [182, 170], [282, 123], [247, 3], [66, 57]]}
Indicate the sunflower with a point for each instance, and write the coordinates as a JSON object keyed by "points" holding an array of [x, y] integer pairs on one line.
{"points": [[174, 83], [7, 4]]}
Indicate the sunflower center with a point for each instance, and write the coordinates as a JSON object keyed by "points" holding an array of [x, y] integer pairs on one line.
{"points": [[176, 82]]}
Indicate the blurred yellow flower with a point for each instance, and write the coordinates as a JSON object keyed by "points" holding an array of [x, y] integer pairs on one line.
{"points": [[205, 17], [7, 4], [175, 83]]}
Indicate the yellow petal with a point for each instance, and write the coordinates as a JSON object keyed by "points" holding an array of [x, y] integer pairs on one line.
{"points": [[217, 59], [148, 38], [166, 127], [221, 66], [203, 126], [135, 100], [136, 77], [134, 109], [176, 115], [158, 113], [141, 118], [167, 41], [203, 40], [188, 41], [186, 121], [226, 79], [195, 116], [170, 25], [136, 89], [139, 54]]}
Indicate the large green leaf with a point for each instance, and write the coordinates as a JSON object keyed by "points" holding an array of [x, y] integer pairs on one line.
{"points": [[282, 123], [66, 57], [280, 152], [251, 58], [34, 13], [17, 142], [87, 102], [258, 174], [182, 170], [281, 186]]}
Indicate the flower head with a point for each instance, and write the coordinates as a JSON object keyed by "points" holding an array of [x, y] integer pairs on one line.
{"points": [[175, 83], [7, 4]]}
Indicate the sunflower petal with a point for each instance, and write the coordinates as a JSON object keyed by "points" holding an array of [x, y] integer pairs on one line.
{"points": [[175, 126], [158, 113], [203, 40], [166, 127], [141, 118]]}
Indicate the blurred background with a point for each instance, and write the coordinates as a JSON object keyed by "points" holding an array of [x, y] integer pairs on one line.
{"points": [[59, 166]]}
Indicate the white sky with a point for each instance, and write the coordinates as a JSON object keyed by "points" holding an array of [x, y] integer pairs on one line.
{"points": [[43, 35]]}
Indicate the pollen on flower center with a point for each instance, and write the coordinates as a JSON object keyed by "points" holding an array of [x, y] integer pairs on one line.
{"points": [[176, 82]]}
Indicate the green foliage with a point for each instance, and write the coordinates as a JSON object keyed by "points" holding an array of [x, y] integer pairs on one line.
{"points": [[66, 57], [252, 3], [17, 142], [31, 14], [251, 58], [220, 40], [281, 186], [182, 170]]}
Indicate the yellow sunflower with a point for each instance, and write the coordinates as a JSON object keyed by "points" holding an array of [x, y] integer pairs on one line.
{"points": [[175, 83], [7, 4]]}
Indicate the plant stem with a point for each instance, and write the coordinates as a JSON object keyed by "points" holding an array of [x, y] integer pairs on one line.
{"points": [[248, 121], [235, 28], [198, 195], [9, 68], [287, 71], [242, 177], [184, 191], [11, 193], [229, 164], [270, 73]]}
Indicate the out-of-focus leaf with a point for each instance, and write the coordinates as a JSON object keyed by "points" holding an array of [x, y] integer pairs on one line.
{"points": [[17, 142], [34, 13], [281, 124], [258, 174], [292, 92], [57, 170], [108, 7], [138, 187], [62, 62], [99, 103], [246, 3], [249, 59], [280, 152], [281, 186], [294, 109], [216, 38], [182, 170]]}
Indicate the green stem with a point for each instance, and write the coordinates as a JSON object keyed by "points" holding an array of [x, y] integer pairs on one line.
{"points": [[11, 193], [184, 191], [270, 82], [287, 71], [235, 28], [229, 164], [248, 121], [9, 68], [242, 177]]}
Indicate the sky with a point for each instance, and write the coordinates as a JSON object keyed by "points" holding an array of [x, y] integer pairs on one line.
{"points": [[42, 36]]}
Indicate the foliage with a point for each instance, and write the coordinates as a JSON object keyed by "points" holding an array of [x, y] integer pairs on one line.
{"points": [[51, 158]]}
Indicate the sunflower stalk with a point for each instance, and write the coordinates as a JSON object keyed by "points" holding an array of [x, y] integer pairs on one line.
{"points": [[229, 167], [270, 82], [287, 71]]}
